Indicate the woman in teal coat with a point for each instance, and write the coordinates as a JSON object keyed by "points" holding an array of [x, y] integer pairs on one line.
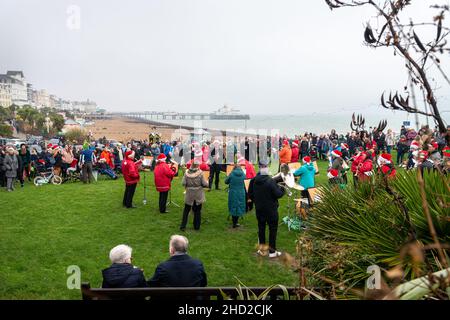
{"points": [[236, 194]]}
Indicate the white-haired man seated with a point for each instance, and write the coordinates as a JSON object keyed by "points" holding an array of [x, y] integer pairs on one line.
{"points": [[180, 270], [122, 274]]}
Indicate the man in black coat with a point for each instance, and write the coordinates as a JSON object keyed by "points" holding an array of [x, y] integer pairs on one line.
{"points": [[122, 274], [265, 192], [180, 270]]}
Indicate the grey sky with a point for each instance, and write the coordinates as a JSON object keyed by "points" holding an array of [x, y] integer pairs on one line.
{"points": [[284, 56]]}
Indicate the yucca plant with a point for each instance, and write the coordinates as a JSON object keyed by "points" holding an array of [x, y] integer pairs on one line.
{"points": [[245, 293], [374, 223]]}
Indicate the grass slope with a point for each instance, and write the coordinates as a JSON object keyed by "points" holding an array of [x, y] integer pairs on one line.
{"points": [[43, 230]]}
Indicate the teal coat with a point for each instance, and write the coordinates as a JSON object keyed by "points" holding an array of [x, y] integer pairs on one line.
{"points": [[306, 173], [236, 192]]}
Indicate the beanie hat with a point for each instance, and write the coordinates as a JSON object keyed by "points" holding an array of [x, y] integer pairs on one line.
{"points": [[446, 152], [162, 157], [307, 159], [423, 154], [333, 173], [336, 153]]}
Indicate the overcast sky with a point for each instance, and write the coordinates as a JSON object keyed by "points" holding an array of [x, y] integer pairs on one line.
{"points": [[260, 56]]}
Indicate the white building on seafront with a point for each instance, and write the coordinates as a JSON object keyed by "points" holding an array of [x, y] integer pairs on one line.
{"points": [[19, 91], [5, 95], [85, 106]]}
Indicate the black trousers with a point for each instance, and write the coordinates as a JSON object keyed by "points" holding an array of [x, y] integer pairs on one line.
{"points": [[272, 222], [128, 195], [214, 170], [196, 208], [248, 204], [235, 220], [163, 201]]}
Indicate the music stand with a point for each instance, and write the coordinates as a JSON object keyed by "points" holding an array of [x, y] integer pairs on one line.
{"points": [[170, 201]]}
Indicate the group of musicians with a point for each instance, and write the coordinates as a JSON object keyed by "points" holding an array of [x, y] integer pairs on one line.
{"points": [[245, 189]]}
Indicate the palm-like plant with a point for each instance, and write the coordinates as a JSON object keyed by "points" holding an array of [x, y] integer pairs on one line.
{"points": [[368, 225]]}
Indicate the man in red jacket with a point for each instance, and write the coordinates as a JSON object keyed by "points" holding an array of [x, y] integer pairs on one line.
{"points": [[163, 179], [295, 151], [130, 171]]}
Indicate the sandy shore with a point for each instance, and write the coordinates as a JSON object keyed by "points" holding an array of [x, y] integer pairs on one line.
{"points": [[126, 129]]}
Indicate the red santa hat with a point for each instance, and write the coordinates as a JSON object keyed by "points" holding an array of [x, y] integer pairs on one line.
{"points": [[49, 146], [55, 147], [414, 145], [336, 153], [295, 143], [385, 169], [385, 158], [162, 157], [285, 142], [128, 153], [333, 173], [446, 152], [307, 159], [423, 154], [434, 145], [241, 159]]}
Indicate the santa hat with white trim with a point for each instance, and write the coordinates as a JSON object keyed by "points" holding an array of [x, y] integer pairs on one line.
{"points": [[162, 157], [336, 153], [333, 173]]}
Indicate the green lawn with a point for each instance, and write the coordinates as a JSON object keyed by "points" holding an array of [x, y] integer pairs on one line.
{"points": [[43, 230]]}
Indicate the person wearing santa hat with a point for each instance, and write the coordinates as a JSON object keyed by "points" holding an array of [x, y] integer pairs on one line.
{"points": [[445, 164], [295, 151], [365, 166], [435, 155], [307, 174], [130, 171], [414, 147], [198, 156], [385, 165], [339, 164], [333, 177], [424, 161], [163, 176], [285, 153]]}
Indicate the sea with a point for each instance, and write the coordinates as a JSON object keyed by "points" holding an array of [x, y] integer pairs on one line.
{"points": [[317, 123]]}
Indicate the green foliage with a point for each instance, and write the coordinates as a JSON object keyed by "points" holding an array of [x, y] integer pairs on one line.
{"points": [[351, 229], [6, 131], [76, 134]]}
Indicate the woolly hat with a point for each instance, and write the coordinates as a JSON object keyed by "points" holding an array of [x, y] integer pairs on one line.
{"points": [[434, 145], [446, 152], [49, 146], [161, 157], [198, 153], [385, 158], [307, 159], [128, 153], [333, 173], [336, 153]]}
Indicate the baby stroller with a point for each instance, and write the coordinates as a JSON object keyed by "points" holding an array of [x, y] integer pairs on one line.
{"points": [[313, 153]]}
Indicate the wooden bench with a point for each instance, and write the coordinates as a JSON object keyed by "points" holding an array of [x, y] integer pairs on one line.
{"points": [[191, 293]]}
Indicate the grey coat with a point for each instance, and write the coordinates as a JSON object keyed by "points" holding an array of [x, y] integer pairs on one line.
{"points": [[11, 164], [194, 182]]}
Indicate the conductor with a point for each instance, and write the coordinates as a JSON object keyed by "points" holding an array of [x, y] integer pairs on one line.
{"points": [[265, 192]]}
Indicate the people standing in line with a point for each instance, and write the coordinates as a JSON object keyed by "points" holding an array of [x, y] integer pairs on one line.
{"points": [[265, 192], [236, 193], [87, 160], [11, 165], [180, 270], [216, 159], [163, 179], [130, 171], [194, 182]]}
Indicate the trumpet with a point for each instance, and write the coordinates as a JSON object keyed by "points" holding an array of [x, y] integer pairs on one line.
{"points": [[174, 165]]}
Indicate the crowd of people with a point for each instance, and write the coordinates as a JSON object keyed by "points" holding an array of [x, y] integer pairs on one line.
{"points": [[357, 154]]}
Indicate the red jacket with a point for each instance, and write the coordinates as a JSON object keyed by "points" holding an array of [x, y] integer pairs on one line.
{"points": [[295, 154], [389, 171], [163, 176], [130, 171], [249, 170], [365, 170]]}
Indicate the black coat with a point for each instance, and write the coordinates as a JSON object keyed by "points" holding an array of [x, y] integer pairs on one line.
{"points": [[265, 192], [179, 271], [123, 275]]}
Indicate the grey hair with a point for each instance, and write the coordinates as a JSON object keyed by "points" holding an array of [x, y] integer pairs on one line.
{"points": [[120, 253], [179, 243]]}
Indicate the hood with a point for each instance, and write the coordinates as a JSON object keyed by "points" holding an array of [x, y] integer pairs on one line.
{"points": [[238, 172], [260, 179], [117, 273], [192, 173], [309, 166]]}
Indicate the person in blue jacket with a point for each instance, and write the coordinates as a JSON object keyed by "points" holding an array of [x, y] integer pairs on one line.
{"points": [[236, 194], [307, 174]]}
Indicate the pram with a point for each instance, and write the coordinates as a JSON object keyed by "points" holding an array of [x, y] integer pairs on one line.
{"points": [[72, 173]]}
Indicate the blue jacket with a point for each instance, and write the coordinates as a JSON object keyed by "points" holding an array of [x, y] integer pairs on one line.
{"points": [[236, 192], [123, 275], [307, 175]]}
